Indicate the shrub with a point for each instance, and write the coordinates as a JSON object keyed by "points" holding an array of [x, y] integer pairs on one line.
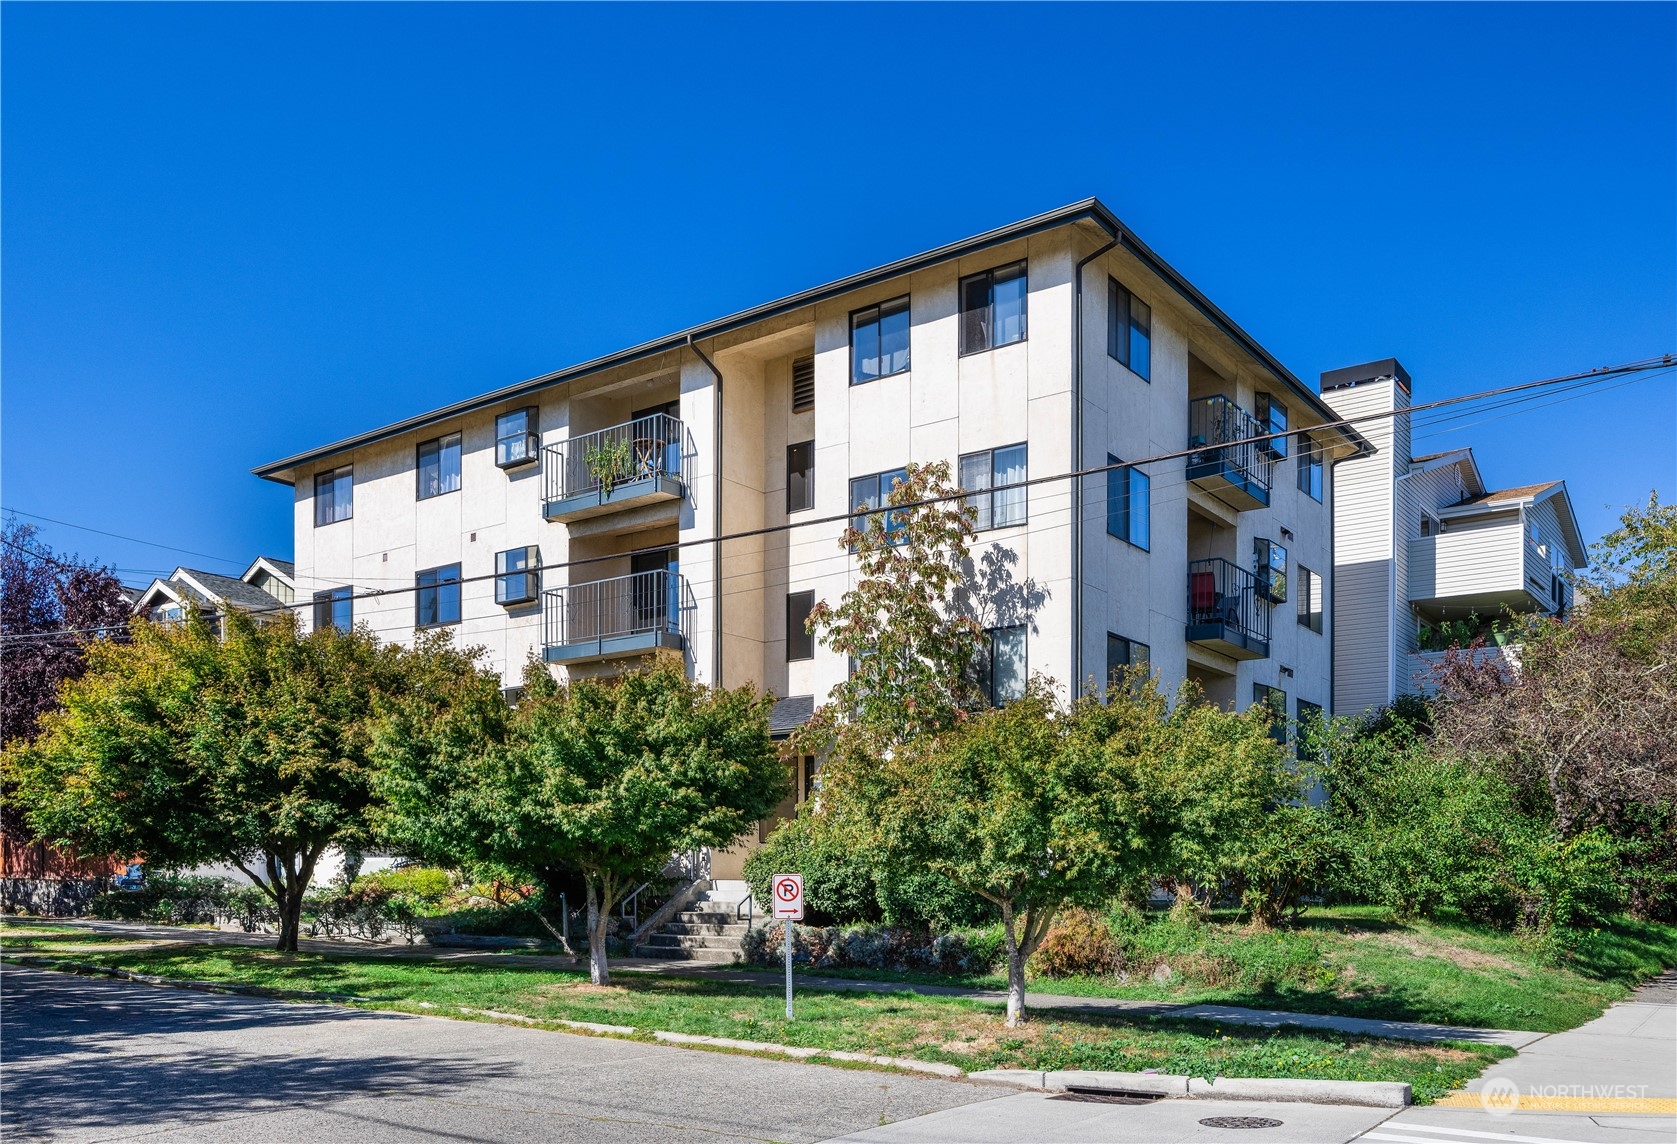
{"points": [[424, 887], [1079, 943], [170, 899], [868, 947]]}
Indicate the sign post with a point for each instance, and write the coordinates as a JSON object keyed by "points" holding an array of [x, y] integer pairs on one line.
{"points": [[788, 890]]}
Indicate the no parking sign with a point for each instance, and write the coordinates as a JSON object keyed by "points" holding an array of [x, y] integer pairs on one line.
{"points": [[788, 897]]}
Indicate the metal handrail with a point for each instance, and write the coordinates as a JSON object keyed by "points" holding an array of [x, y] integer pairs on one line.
{"points": [[1222, 592], [749, 905], [623, 605], [1220, 427], [651, 446]]}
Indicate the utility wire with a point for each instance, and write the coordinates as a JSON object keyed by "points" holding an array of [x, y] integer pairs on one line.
{"points": [[130, 539]]}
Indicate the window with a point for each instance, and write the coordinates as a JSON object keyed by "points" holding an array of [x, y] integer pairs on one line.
{"points": [[879, 341], [516, 442], [1310, 722], [1128, 504], [438, 600], [1310, 467], [1309, 596], [517, 575], [1274, 701], [439, 466], [1430, 524], [800, 644], [334, 608], [993, 308], [1129, 330], [999, 667], [869, 492], [1121, 654], [991, 468], [1272, 418], [1269, 561], [803, 385], [334, 496], [800, 476]]}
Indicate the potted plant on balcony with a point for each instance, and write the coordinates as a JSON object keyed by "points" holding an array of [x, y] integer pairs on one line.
{"points": [[608, 462]]}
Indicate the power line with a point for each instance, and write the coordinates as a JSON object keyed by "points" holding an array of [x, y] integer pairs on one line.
{"points": [[1584, 379], [130, 539]]}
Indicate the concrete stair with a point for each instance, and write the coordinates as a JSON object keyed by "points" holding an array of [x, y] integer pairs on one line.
{"points": [[708, 930]]}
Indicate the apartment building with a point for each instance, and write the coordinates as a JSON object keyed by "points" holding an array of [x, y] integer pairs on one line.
{"points": [[1423, 548], [634, 502]]}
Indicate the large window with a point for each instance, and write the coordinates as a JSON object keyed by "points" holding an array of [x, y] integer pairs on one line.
{"points": [[1269, 562], [1122, 654], [800, 476], [988, 470], [999, 667], [1129, 504], [334, 608], [1310, 467], [993, 308], [518, 575], [1272, 418], [1129, 330], [516, 442], [869, 492], [800, 644], [439, 466], [1273, 702], [334, 496], [879, 341], [437, 602], [1308, 590], [803, 385]]}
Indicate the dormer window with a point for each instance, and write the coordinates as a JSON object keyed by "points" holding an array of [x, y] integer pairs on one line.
{"points": [[516, 441]]}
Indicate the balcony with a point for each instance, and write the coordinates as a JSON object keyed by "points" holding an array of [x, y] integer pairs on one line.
{"points": [[637, 463], [611, 619], [1226, 613], [1226, 462]]}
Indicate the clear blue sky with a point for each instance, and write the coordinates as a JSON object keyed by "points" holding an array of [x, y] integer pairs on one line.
{"points": [[233, 232]]}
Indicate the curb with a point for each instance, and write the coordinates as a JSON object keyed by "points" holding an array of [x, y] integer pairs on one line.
{"points": [[1362, 1093]]}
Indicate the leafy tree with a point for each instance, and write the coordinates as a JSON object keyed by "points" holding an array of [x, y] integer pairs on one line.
{"points": [[1631, 584], [607, 777], [912, 652], [250, 748], [1018, 805], [51, 608]]}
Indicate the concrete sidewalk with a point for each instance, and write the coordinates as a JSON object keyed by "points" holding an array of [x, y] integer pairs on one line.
{"points": [[147, 935]]}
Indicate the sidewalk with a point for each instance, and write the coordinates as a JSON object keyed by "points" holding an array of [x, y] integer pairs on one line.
{"points": [[152, 935]]}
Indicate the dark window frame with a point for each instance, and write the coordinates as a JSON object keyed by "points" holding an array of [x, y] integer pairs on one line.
{"points": [[437, 591], [898, 305], [1120, 504], [1271, 415], [1127, 315], [1129, 659], [882, 492], [984, 663], [1312, 477], [326, 605], [966, 343], [1311, 607], [529, 451], [983, 498], [800, 642], [506, 579], [1275, 700], [438, 443], [807, 473], [328, 480]]}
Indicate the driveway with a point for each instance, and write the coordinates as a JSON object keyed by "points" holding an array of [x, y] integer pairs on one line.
{"points": [[93, 1060]]}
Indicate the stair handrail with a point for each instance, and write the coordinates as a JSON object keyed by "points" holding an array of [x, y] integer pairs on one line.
{"points": [[748, 904]]}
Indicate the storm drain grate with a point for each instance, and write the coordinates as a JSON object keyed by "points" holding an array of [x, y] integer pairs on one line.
{"points": [[1240, 1122], [1107, 1096]]}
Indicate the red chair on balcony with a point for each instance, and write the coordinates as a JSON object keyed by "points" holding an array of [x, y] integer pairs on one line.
{"points": [[1202, 595]]}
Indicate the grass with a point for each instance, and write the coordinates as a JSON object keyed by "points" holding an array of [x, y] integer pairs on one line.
{"points": [[952, 1030], [1359, 962]]}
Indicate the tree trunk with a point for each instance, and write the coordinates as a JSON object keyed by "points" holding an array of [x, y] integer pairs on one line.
{"points": [[1015, 969], [599, 917]]}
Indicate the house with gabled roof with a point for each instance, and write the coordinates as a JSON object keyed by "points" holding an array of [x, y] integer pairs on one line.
{"points": [[265, 590]]}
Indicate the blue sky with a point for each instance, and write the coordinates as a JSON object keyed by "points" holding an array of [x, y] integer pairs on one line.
{"points": [[233, 232]]}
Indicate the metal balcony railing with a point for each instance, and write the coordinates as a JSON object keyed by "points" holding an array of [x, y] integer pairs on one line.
{"points": [[605, 459], [621, 616], [1220, 431], [1226, 610]]}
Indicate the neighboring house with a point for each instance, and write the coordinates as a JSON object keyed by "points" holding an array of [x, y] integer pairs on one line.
{"points": [[264, 591], [1420, 543], [573, 517]]}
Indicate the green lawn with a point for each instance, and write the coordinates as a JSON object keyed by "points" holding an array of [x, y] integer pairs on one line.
{"points": [[952, 1030], [1357, 961]]}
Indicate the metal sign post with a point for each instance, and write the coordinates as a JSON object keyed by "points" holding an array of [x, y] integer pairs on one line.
{"points": [[788, 893]]}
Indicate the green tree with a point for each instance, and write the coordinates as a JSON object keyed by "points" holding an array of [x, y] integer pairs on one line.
{"points": [[605, 777], [250, 747], [1631, 584], [1018, 805]]}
